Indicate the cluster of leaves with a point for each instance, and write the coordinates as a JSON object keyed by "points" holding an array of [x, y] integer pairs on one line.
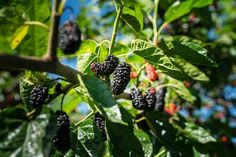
{"points": [[129, 132]]}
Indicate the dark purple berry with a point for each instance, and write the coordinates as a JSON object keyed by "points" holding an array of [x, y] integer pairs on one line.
{"points": [[38, 95], [100, 123], [121, 78], [69, 37], [138, 99], [106, 68]]}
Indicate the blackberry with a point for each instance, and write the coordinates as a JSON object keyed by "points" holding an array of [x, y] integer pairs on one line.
{"points": [[100, 123], [62, 141], [121, 78], [38, 95], [150, 99], [106, 68], [69, 37], [63, 120], [160, 96], [138, 99]]}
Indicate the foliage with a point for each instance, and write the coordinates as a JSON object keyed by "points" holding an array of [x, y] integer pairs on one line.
{"points": [[170, 35]]}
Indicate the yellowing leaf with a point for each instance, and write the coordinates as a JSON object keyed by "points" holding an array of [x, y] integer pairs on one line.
{"points": [[19, 36]]}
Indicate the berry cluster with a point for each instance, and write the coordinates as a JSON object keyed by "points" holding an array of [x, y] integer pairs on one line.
{"points": [[69, 37], [160, 95], [121, 78], [106, 68], [149, 101], [100, 123], [38, 95], [62, 139]]}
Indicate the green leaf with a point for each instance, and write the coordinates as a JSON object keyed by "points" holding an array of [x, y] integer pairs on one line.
{"points": [[201, 3], [193, 131], [181, 90], [145, 142], [98, 90], [120, 49], [189, 69], [35, 42], [119, 135], [23, 137], [103, 50], [19, 36], [34, 140], [133, 17], [90, 142], [166, 62], [199, 154], [159, 60], [87, 46], [165, 133], [189, 51], [179, 9], [83, 62]]}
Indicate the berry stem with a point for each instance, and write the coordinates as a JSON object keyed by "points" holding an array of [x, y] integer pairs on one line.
{"points": [[37, 23], [88, 116], [62, 100], [154, 22], [139, 120], [115, 27]]}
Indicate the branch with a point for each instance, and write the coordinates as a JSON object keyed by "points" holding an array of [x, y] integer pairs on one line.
{"points": [[115, 27], [154, 22], [53, 35], [12, 62]]}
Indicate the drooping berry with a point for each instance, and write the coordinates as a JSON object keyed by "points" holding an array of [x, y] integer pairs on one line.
{"points": [[150, 99], [160, 102], [121, 78], [100, 123], [38, 95], [138, 99], [62, 141], [63, 120], [69, 37], [106, 68], [151, 72]]}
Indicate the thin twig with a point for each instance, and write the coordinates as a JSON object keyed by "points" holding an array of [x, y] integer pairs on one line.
{"points": [[88, 116], [115, 27], [154, 22], [53, 35], [37, 23]]}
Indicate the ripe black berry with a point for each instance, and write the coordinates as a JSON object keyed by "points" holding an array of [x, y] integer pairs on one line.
{"points": [[138, 99], [63, 120], [100, 123], [150, 99], [38, 95], [62, 141], [121, 78], [106, 68], [160, 96], [69, 37]]}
